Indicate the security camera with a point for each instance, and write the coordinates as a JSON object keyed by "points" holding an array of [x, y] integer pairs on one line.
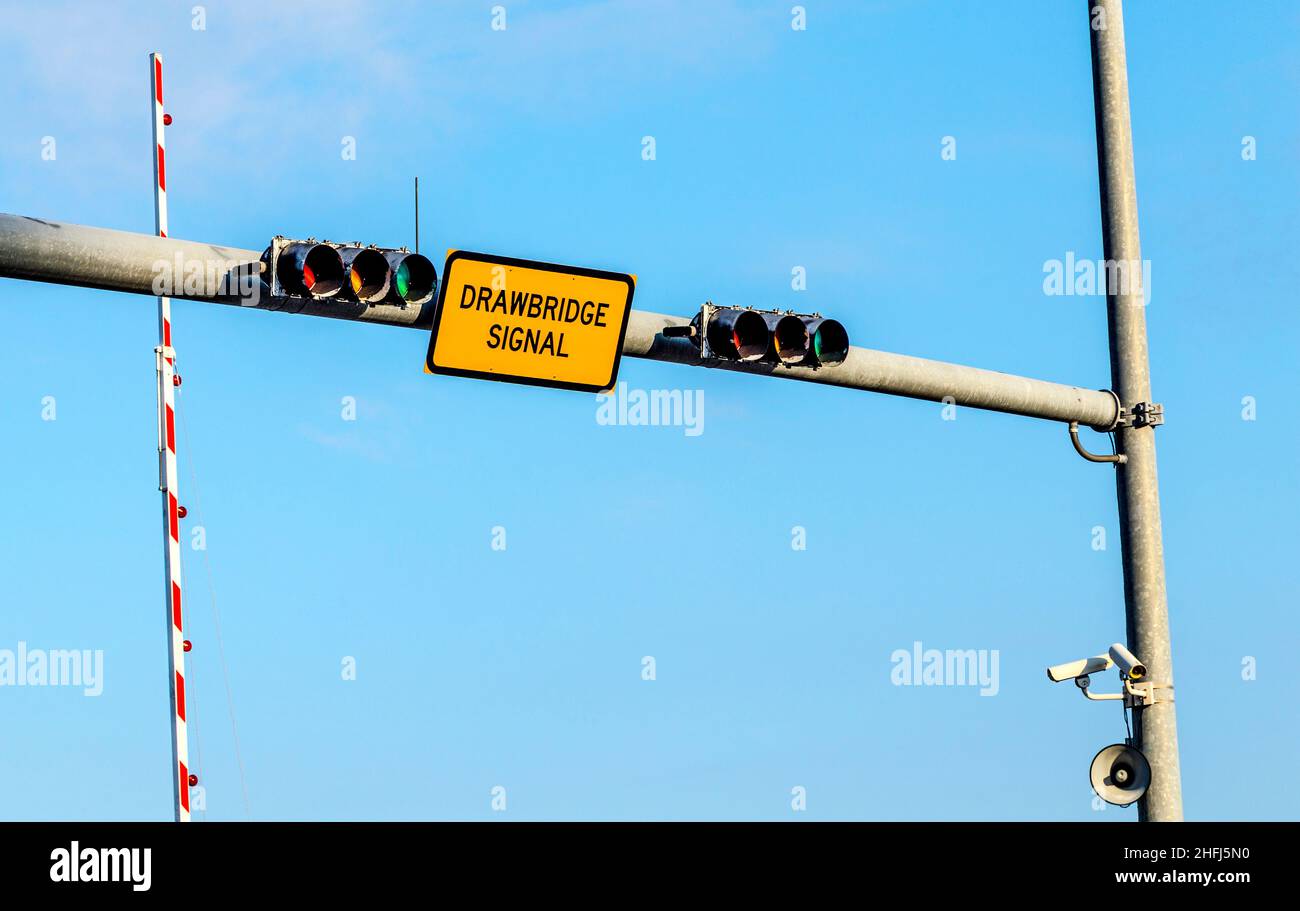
{"points": [[1128, 662], [1082, 668]]}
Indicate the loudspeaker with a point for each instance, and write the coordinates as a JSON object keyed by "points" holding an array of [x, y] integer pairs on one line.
{"points": [[1120, 774]]}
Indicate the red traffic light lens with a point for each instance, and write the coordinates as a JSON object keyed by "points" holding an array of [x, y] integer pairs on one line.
{"points": [[740, 335], [309, 269]]}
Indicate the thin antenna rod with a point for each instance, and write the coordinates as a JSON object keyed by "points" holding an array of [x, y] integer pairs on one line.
{"points": [[417, 215]]}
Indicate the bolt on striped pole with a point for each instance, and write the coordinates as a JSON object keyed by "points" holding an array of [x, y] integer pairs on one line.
{"points": [[167, 475]]}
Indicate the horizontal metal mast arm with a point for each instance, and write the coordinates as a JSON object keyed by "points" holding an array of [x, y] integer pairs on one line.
{"points": [[47, 251], [896, 374]]}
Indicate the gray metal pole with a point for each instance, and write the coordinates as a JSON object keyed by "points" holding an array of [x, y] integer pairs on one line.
{"points": [[1147, 610], [48, 251]]}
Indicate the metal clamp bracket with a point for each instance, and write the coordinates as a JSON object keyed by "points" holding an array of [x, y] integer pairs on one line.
{"points": [[1135, 695], [1144, 694], [1142, 414]]}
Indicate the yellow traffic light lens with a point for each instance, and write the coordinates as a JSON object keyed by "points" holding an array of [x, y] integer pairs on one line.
{"points": [[789, 338]]}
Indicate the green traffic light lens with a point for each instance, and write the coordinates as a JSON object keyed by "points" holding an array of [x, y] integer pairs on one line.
{"points": [[414, 278], [830, 342], [403, 280]]}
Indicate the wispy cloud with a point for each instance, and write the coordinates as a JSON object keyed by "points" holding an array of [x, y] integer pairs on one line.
{"points": [[351, 443]]}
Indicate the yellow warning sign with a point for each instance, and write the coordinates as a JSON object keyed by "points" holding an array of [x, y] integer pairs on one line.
{"points": [[528, 322]]}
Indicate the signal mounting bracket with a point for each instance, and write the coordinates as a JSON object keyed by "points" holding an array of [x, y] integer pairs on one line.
{"points": [[706, 314], [278, 243]]}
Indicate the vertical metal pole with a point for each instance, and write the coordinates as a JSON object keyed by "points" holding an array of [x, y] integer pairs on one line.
{"points": [[167, 475], [1146, 607], [417, 215]]}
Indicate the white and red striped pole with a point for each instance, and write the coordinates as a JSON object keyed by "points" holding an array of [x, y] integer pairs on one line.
{"points": [[165, 356]]}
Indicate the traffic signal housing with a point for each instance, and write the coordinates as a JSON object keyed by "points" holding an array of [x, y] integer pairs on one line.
{"points": [[366, 275], [369, 278], [308, 269], [789, 339], [737, 335], [829, 340], [414, 278], [746, 334]]}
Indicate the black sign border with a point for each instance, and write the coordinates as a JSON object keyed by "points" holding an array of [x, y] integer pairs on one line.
{"points": [[541, 266]]}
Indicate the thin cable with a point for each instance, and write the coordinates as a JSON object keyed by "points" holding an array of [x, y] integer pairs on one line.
{"points": [[216, 618], [1092, 456], [1128, 731]]}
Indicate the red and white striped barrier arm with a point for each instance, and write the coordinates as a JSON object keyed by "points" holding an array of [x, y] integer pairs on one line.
{"points": [[167, 475]]}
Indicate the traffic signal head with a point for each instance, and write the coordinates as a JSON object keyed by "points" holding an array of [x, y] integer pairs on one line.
{"points": [[414, 278], [745, 334], [737, 335], [311, 269], [830, 343], [368, 275]]}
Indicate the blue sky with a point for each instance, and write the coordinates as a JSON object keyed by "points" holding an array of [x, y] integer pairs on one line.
{"points": [[522, 668]]}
